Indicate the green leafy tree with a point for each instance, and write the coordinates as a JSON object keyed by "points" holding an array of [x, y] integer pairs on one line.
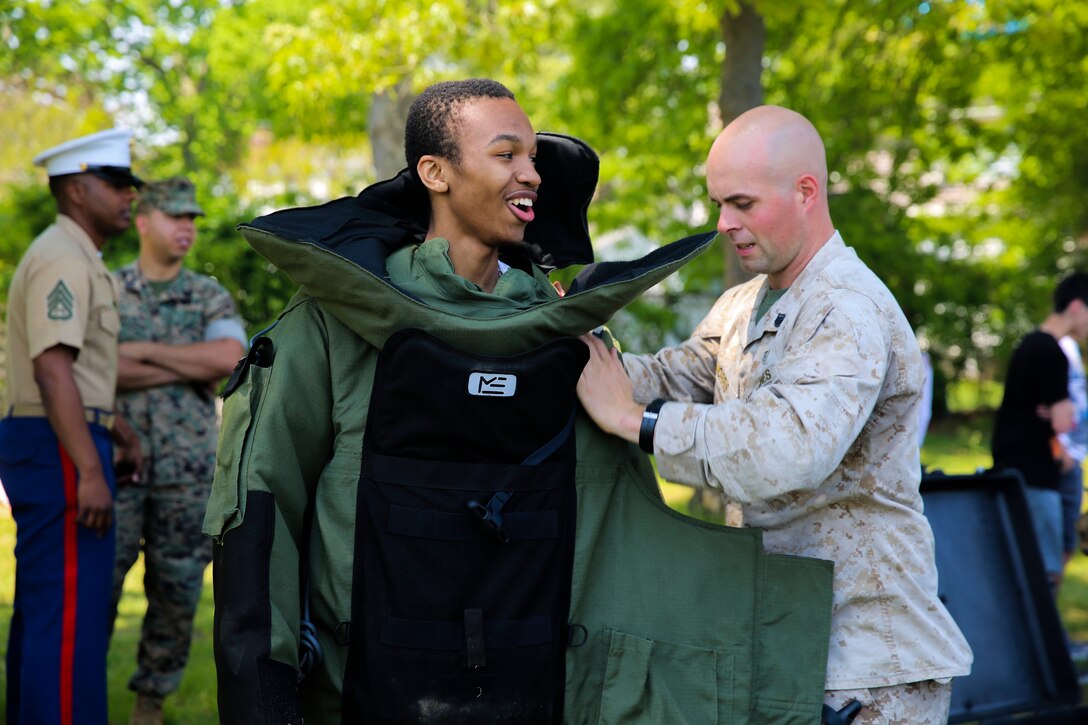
{"points": [[952, 128], [949, 130]]}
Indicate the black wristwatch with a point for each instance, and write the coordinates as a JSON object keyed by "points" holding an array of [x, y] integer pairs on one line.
{"points": [[649, 423]]}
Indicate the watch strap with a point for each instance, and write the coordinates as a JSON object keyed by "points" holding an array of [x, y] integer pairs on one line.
{"points": [[649, 424]]}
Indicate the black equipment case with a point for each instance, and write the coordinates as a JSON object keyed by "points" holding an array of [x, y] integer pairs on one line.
{"points": [[994, 584]]}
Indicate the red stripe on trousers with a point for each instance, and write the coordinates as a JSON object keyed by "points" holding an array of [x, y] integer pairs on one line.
{"points": [[71, 572]]}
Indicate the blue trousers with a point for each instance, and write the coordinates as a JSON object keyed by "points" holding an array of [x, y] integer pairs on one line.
{"points": [[1071, 486], [56, 658], [1045, 505]]}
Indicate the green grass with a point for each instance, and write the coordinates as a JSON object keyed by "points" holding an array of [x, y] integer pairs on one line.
{"points": [[1073, 598], [194, 702], [959, 445], [974, 395]]}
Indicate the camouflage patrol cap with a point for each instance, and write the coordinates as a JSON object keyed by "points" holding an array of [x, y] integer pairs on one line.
{"points": [[176, 197]]}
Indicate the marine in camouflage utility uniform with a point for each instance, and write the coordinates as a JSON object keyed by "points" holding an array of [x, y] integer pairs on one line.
{"points": [[797, 397], [162, 511]]}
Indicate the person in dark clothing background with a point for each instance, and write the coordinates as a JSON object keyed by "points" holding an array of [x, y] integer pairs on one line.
{"points": [[1036, 407]]}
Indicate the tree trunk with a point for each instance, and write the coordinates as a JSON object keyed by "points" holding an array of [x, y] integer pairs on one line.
{"points": [[742, 70], [385, 126], [741, 90]]}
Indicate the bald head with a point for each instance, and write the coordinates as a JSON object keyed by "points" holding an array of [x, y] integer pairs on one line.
{"points": [[775, 142], [767, 173]]}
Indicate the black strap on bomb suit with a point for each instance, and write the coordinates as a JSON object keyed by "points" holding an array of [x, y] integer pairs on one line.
{"points": [[464, 536], [844, 716]]}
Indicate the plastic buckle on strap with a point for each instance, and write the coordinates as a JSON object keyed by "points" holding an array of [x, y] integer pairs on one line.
{"points": [[490, 516]]}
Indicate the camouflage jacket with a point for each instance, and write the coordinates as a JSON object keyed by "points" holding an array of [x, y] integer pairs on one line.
{"points": [[807, 417], [176, 422]]}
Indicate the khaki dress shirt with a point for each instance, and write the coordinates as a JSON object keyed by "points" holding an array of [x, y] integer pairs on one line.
{"points": [[807, 418], [62, 294]]}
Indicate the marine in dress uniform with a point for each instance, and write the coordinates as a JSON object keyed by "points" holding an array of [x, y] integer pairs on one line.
{"points": [[57, 434]]}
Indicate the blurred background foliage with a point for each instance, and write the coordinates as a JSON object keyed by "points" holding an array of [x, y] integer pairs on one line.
{"points": [[954, 128]]}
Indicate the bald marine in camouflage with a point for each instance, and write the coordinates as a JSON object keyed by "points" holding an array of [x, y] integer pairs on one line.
{"points": [[797, 396], [180, 334]]}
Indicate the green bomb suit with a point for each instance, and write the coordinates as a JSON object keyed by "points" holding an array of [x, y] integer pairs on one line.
{"points": [[657, 617]]}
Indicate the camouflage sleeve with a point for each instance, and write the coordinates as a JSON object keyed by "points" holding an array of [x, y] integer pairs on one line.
{"points": [[793, 430], [275, 440], [221, 318], [683, 373], [218, 303]]}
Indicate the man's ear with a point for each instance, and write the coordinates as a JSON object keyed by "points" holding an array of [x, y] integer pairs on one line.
{"points": [[75, 191], [140, 220], [432, 171], [808, 187]]}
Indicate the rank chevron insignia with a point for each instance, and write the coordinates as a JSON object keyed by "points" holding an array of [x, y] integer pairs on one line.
{"points": [[60, 303]]}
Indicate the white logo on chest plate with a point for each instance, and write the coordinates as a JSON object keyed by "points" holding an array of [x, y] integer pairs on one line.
{"points": [[500, 385]]}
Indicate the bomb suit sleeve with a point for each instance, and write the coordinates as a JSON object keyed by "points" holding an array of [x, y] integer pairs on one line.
{"points": [[277, 439]]}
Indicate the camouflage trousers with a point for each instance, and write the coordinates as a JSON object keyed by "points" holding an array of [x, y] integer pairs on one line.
{"points": [[914, 703], [165, 522]]}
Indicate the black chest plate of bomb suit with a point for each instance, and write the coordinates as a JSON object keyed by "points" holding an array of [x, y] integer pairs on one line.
{"points": [[464, 536]]}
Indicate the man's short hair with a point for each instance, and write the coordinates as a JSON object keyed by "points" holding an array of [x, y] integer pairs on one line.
{"points": [[431, 118], [1073, 287]]}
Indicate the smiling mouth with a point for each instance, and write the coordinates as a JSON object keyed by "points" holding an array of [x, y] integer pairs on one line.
{"points": [[522, 207]]}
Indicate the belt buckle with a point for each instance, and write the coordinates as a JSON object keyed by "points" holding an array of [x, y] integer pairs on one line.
{"points": [[100, 417]]}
